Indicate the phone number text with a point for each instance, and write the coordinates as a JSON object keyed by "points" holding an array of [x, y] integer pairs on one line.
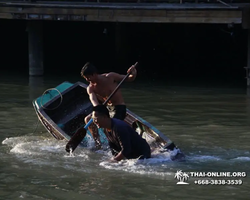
{"points": [[218, 182]]}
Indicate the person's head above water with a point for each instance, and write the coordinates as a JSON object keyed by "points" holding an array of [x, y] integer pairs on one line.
{"points": [[101, 116]]}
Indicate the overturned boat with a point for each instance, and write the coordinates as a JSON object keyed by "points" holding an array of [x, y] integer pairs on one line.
{"points": [[62, 110]]}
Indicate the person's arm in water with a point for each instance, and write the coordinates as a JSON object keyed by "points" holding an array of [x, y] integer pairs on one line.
{"points": [[92, 96], [123, 137], [118, 157], [118, 77]]}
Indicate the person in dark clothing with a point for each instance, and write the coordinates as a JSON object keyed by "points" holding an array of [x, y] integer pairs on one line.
{"points": [[123, 140]]}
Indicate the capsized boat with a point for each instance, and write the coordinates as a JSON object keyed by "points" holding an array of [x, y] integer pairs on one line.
{"points": [[62, 110]]}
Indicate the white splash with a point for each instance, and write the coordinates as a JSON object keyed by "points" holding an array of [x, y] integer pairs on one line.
{"points": [[242, 158], [41, 151], [32, 145], [146, 166]]}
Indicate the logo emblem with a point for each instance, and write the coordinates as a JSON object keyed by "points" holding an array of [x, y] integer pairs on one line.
{"points": [[181, 177]]}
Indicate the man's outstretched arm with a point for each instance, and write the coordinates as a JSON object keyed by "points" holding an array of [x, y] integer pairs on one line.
{"points": [[118, 77]]}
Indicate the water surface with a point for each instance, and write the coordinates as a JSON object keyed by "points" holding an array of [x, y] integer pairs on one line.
{"points": [[209, 124]]}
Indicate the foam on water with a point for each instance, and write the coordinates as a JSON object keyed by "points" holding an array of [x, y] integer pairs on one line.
{"points": [[38, 150], [146, 166], [32, 145], [135, 166], [241, 159], [48, 151]]}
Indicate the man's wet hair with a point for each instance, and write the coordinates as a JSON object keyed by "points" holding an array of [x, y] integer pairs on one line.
{"points": [[101, 109], [88, 69]]}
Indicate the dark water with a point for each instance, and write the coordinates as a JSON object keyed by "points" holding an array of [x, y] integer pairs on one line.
{"points": [[210, 124]]}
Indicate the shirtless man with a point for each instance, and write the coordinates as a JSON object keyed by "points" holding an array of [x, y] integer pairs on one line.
{"points": [[99, 89]]}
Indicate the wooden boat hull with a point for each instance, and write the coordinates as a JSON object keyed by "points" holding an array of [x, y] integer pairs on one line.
{"points": [[62, 110]]}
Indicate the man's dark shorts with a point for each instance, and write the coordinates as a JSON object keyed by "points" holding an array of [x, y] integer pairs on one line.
{"points": [[118, 111]]}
